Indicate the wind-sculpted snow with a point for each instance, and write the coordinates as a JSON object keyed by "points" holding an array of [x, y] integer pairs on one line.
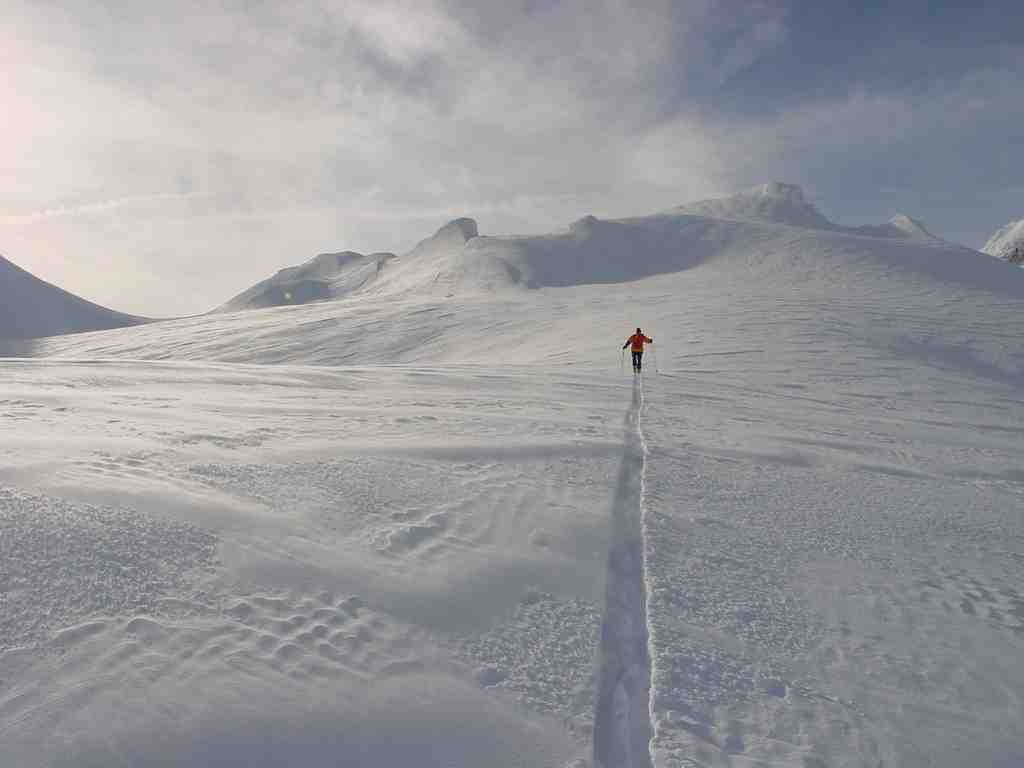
{"points": [[385, 567], [544, 655], [61, 562], [30, 308]]}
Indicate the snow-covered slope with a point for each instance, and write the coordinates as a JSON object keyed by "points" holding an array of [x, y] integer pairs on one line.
{"points": [[1007, 243], [448, 529], [30, 307], [327, 276]]}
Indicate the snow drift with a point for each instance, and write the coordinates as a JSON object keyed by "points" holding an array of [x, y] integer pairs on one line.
{"points": [[30, 308]]}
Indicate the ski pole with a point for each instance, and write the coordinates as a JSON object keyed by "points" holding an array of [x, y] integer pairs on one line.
{"points": [[622, 361], [655, 356]]}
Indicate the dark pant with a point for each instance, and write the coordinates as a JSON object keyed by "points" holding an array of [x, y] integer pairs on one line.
{"points": [[637, 358]]}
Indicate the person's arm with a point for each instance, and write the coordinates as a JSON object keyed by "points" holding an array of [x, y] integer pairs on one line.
{"points": [[649, 341]]}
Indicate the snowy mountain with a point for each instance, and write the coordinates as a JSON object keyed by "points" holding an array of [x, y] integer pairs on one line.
{"points": [[324, 277], [1007, 243], [774, 202], [457, 259], [781, 203], [458, 263], [899, 225], [30, 307], [435, 522]]}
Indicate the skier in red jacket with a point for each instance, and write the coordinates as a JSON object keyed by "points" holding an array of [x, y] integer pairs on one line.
{"points": [[636, 343]]}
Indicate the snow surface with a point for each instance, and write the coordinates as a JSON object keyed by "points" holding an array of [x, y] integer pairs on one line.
{"points": [[435, 523], [1008, 240]]}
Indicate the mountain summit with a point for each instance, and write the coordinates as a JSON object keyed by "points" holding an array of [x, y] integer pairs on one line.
{"points": [[775, 202], [457, 231], [909, 226], [780, 203]]}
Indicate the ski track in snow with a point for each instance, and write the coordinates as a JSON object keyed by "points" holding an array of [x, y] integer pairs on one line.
{"points": [[622, 719]]}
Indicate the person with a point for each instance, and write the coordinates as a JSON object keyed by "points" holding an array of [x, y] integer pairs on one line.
{"points": [[636, 343]]}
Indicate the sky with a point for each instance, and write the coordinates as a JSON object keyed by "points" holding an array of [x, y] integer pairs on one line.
{"points": [[159, 158]]}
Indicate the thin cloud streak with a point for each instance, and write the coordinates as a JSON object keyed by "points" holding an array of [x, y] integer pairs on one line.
{"points": [[86, 209]]}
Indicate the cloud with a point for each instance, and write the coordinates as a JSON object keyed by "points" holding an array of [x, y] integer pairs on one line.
{"points": [[205, 145], [99, 207]]}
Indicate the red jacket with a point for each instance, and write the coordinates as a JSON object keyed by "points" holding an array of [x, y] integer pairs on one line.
{"points": [[637, 342]]}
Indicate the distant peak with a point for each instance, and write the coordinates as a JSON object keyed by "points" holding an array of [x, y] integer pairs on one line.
{"points": [[333, 260], [1007, 243], [909, 225], [463, 227], [777, 189], [584, 226], [338, 255], [775, 202]]}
